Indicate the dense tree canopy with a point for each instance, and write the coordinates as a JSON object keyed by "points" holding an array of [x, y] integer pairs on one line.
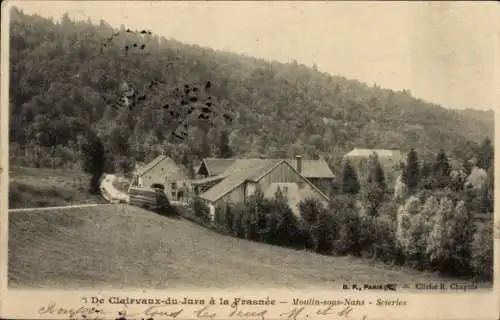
{"points": [[67, 77]]}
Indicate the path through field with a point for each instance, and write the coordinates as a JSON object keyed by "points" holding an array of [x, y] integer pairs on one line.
{"points": [[55, 208], [123, 246]]}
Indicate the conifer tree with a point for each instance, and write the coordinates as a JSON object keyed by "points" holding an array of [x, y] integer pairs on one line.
{"points": [[376, 174], [324, 232], [426, 170], [286, 228], [350, 182], [485, 154], [442, 170], [374, 192], [94, 159], [411, 173]]}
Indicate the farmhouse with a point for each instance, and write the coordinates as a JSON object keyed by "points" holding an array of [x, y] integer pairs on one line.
{"points": [[390, 160], [318, 172], [165, 172], [244, 176]]}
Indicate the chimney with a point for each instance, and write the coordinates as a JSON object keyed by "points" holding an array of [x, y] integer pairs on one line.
{"points": [[299, 163]]}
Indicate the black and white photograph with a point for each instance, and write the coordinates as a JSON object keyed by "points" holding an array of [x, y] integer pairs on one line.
{"points": [[173, 145]]}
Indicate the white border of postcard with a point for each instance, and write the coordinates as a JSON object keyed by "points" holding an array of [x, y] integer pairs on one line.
{"points": [[278, 303]]}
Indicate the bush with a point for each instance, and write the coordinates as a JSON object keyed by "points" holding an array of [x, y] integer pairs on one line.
{"points": [[366, 236], [373, 197], [436, 240], [164, 205], [229, 219], [459, 238], [323, 232], [287, 230], [388, 210], [219, 216], [312, 215], [201, 210], [384, 235], [238, 214], [482, 252], [347, 241], [416, 248]]}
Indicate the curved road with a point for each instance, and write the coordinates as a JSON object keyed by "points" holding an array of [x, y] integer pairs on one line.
{"points": [[109, 192]]}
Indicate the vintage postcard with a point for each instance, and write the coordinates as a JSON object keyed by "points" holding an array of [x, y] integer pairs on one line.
{"points": [[249, 160]]}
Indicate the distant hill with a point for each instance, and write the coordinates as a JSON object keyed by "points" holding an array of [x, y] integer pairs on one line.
{"points": [[60, 82]]}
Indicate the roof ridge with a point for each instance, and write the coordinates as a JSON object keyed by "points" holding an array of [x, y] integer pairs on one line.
{"points": [[152, 164]]}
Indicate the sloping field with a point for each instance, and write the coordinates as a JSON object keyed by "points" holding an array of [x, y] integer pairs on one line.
{"points": [[123, 246], [42, 187]]}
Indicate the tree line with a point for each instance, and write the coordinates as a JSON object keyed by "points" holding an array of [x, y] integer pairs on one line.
{"points": [[432, 226], [66, 90]]}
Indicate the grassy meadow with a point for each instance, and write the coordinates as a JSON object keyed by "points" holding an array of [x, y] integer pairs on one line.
{"points": [[42, 187], [113, 246]]}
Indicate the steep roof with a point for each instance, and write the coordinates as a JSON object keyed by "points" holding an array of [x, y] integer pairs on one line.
{"points": [[142, 170], [236, 174], [359, 152], [156, 161], [216, 166], [310, 168], [246, 169], [314, 168]]}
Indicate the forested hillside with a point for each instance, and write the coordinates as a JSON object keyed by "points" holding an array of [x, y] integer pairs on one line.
{"points": [[63, 81]]}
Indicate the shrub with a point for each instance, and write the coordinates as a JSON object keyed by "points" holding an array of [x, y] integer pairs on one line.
{"points": [[430, 208], [229, 219], [366, 236], [311, 211], [384, 236], [219, 216], [373, 197], [287, 231], [347, 241], [164, 206], [416, 248], [437, 235], [323, 232], [403, 225], [388, 210], [482, 252], [201, 210], [459, 237], [238, 227]]}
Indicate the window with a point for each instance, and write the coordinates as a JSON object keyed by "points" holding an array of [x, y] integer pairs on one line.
{"points": [[174, 186]]}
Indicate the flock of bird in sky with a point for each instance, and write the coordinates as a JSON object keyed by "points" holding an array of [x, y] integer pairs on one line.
{"points": [[183, 103]]}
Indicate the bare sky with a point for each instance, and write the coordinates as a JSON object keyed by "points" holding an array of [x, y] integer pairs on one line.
{"points": [[443, 52]]}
